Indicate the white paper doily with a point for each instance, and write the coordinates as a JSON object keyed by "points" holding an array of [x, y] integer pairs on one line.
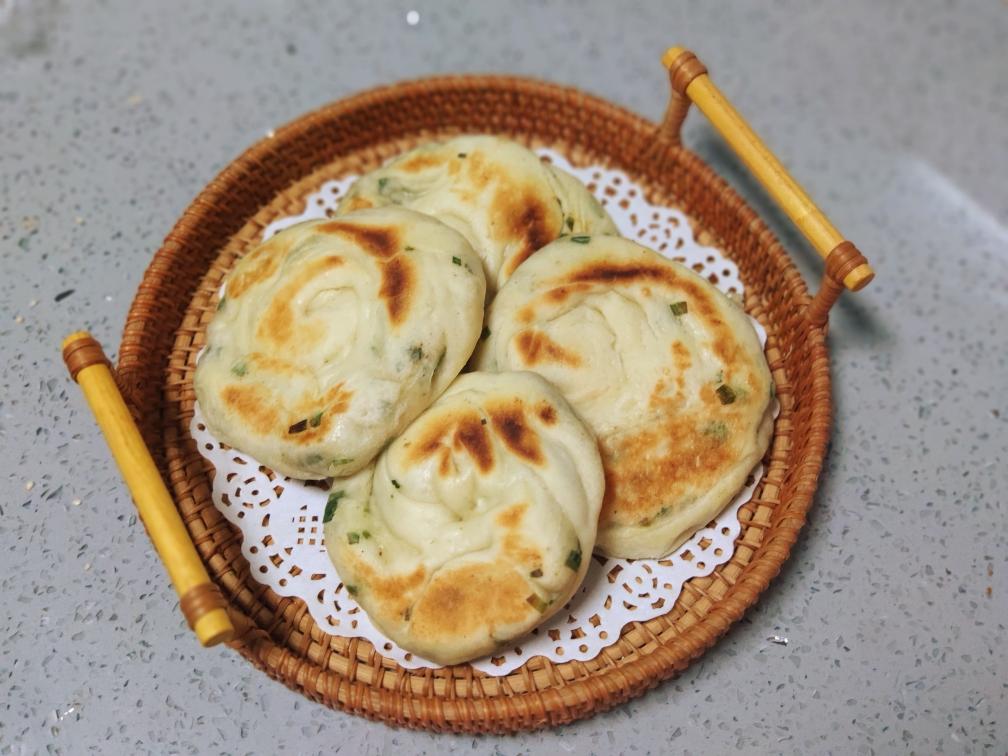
{"points": [[281, 518]]}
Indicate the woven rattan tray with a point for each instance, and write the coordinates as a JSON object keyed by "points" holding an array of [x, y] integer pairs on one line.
{"points": [[165, 330]]}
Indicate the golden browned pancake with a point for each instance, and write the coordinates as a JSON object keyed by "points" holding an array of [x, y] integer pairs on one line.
{"points": [[334, 334], [664, 368], [500, 196], [478, 521]]}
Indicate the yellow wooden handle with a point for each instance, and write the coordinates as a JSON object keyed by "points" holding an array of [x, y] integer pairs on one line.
{"points": [[689, 75], [200, 598]]}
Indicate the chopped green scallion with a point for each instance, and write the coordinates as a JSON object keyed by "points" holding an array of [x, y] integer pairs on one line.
{"points": [[330, 506], [395, 483], [679, 308], [650, 520], [539, 604], [299, 427], [239, 369], [717, 430], [574, 560], [352, 537], [456, 260], [725, 394], [316, 419], [580, 239]]}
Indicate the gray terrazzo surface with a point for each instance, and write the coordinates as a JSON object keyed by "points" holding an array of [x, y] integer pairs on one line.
{"points": [[113, 115]]}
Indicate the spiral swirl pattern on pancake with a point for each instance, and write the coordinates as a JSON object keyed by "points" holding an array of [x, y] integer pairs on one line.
{"points": [[335, 334], [666, 370], [476, 524]]}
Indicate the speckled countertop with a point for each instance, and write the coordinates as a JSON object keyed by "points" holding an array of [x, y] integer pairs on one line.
{"points": [[113, 115]]}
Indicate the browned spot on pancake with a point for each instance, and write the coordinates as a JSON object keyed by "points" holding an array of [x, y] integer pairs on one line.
{"points": [[514, 545], [508, 420], [393, 593], [725, 344], [536, 347], [699, 295], [256, 406], [471, 435], [470, 600], [520, 214], [479, 172], [547, 413], [658, 397], [397, 287], [277, 322], [708, 395], [252, 405], [519, 551], [752, 382], [526, 314], [461, 430], [358, 203], [665, 464], [512, 516], [558, 294], [419, 161], [337, 399], [431, 439], [682, 357], [375, 240], [682, 360], [272, 364], [610, 273], [333, 403], [257, 266]]}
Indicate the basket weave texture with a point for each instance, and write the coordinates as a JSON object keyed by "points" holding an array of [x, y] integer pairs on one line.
{"points": [[177, 296]]}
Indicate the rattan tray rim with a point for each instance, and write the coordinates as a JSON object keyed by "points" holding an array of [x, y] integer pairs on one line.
{"points": [[143, 359]]}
